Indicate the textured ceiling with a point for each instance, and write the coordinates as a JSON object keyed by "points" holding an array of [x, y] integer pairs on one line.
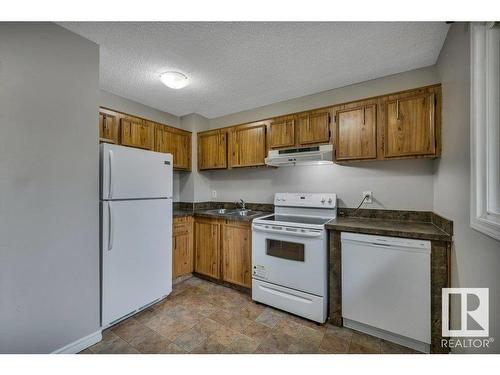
{"points": [[238, 66]]}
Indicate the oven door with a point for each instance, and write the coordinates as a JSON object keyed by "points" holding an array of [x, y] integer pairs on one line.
{"points": [[291, 257]]}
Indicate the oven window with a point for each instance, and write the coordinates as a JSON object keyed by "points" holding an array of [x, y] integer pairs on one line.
{"points": [[285, 250]]}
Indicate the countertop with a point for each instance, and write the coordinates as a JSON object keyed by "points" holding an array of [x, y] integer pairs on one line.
{"points": [[211, 214], [181, 213], [397, 228]]}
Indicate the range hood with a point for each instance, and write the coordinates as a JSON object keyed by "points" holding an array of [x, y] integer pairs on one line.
{"points": [[314, 155]]}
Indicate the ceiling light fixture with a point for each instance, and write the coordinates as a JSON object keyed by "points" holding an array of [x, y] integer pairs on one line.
{"points": [[174, 80]]}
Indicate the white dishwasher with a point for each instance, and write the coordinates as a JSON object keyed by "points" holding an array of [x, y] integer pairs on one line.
{"points": [[386, 284]]}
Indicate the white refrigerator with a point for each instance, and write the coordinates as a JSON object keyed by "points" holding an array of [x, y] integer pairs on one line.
{"points": [[136, 230]]}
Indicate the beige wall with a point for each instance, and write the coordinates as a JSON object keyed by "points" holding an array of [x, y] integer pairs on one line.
{"points": [[49, 188], [475, 257]]}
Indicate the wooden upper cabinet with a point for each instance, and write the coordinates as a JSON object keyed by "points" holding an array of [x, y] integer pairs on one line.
{"points": [[175, 142], [356, 133], [237, 253], [137, 133], [212, 150], [410, 128], [313, 127], [207, 247], [282, 133], [247, 145], [108, 127]]}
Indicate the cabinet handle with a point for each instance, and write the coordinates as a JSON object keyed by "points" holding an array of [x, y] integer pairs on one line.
{"points": [[397, 109], [364, 115]]}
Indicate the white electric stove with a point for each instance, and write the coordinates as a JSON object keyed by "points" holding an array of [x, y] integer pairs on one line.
{"points": [[290, 254]]}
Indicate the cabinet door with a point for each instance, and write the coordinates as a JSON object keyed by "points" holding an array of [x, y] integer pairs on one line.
{"points": [[248, 146], [207, 237], [183, 151], [314, 128], [136, 133], [182, 248], [212, 150], [410, 126], [282, 133], [174, 142], [237, 254], [357, 133], [107, 127]]}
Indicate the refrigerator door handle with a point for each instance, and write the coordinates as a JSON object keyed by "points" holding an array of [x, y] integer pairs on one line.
{"points": [[110, 192], [110, 227]]}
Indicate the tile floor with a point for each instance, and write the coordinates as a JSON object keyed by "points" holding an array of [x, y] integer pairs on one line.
{"points": [[203, 317]]}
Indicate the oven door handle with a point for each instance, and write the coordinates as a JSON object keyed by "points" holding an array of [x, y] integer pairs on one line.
{"points": [[288, 233]]}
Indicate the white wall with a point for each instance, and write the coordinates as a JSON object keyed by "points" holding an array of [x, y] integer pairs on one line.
{"points": [[395, 184], [121, 104], [49, 233], [475, 257], [393, 83], [194, 186]]}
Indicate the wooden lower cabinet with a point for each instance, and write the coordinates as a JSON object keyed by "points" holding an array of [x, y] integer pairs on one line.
{"points": [[207, 247], [182, 246], [237, 253], [223, 250]]}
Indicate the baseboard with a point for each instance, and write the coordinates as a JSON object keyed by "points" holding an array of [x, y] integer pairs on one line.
{"points": [[80, 344], [389, 336]]}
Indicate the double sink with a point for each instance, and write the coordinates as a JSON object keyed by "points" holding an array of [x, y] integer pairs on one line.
{"points": [[234, 212]]}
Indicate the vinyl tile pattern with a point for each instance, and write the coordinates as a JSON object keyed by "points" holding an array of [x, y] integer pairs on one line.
{"points": [[203, 317]]}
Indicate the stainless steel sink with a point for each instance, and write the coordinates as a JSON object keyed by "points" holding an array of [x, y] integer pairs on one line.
{"points": [[219, 211], [242, 212], [233, 212]]}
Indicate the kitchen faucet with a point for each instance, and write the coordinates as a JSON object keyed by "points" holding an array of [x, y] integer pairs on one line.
{"points": [[242, 204]]}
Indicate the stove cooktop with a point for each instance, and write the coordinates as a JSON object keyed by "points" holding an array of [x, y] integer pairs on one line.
{"points": [[308, 220]]}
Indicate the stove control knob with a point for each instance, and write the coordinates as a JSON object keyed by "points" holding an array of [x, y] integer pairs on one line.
{"points": [[323, 200], [330, 200]]}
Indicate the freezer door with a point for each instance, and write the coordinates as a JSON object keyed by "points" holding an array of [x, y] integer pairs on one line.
{"points": [[131, 173], [136, 249]]}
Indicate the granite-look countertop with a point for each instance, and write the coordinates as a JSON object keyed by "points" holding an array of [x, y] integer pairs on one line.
{"points": [[211, 214], [384, 227], [181, 213]]}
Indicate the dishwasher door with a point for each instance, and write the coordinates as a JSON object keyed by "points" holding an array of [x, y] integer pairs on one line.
{"points": [[386, 284]]}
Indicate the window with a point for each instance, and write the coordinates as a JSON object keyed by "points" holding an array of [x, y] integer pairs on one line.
{"points": [[485, 128]]}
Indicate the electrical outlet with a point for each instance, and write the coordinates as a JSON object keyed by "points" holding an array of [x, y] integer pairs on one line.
{"points": [[369, 196], [214, 194]]}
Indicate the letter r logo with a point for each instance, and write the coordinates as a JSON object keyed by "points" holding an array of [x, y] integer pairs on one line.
{"points": [[474, 312]]}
